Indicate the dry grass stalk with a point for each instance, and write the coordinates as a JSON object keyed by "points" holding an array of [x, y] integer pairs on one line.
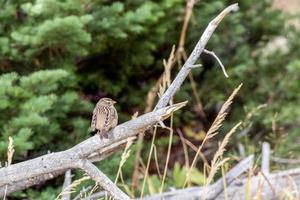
{"points": [[10, 154], [224, 182], [168, 155], [217, 161], [166, 77], [221, 115], [10, 151], [214, 128], [185, 150], [164, 83], [158, 88], [95, 187], [124, 157], [156, 162], [71, 188], [148, 161]]}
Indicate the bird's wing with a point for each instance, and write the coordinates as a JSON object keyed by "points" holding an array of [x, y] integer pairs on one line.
{"points": [[94, 119], [102, 119], [114, 118]]}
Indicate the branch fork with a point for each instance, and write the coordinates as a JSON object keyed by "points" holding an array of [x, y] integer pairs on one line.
{"points": [[25, 174]]}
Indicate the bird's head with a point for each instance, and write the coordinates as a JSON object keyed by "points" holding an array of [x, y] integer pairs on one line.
{"points": [[107, 101]]}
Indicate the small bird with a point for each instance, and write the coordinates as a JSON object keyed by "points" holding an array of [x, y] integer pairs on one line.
{"points": [[105, 116]]}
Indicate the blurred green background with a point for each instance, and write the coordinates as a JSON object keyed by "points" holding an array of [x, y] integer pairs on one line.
{"points": [[58, 57]]}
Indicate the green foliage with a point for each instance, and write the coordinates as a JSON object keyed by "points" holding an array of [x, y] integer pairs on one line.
{"points": [[49, 193], [38, 109], [250, 51], [43, 31], [180, 175], [115, 48]]}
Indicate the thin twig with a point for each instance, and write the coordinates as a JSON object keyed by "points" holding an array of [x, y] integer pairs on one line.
{"points": [[192, 59], [30, 172], [219, 61]]}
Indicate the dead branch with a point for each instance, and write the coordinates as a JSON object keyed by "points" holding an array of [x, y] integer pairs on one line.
{"points": [[192, 59], [218, 60], [281, 185], [66, 195], [72, 158], [179, 52], [285, 160], [265, 159], [94, 157], [28, 173], [103, 180], [211, 191]]}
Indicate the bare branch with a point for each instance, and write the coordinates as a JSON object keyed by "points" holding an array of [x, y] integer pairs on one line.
{"points": [[66, 194], [212, 191], [175, 85], [25, 174], [94, 157], [103, 180], [219, 61], [284, 183], [25, 183], [46, 167], [234, 173], [265, 164], [285, 160]]}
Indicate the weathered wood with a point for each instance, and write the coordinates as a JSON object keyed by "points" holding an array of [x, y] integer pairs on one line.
{"points": [[94, 157], [265, 158], [28, 173], [280, 185], [266, 187], [100, 177], [192, 59], [66, 191], [70, 159], [209, 192]]}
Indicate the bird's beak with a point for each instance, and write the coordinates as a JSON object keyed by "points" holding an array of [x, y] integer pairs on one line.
{"points": [[114, 102]]}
